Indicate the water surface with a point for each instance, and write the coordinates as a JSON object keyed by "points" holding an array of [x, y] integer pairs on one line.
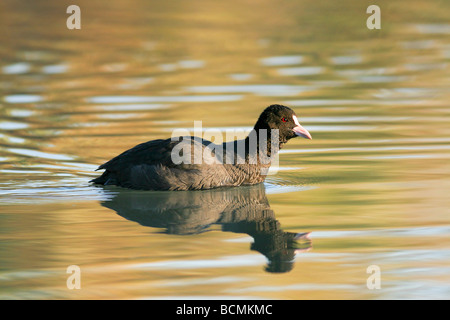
{"points": [[371, 188]]}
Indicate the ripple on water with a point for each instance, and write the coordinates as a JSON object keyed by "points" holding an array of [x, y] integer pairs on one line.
{"points": [[221, 262], [17, 68], [345, 102], [278, 188], [40, 154], [151, 99], [20, 113], [257, 89], [301, 71], [22, 98], [37, 193], [12, 125], [410, 156], [182, 64], [241, 76], [10, 139], [55, 69], [282, 60], [347, 60], [132, 107], [367, 149], [191, 64], [432, 28]]}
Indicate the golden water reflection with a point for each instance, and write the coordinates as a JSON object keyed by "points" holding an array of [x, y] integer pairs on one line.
{"points": [[240, 210], [372, 186]]}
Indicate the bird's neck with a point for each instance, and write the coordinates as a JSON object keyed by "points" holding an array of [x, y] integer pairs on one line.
{"points": [[262, 144], [258, 148]]}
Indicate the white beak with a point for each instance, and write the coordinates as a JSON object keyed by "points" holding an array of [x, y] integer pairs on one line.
{"points": [[299, 130]]}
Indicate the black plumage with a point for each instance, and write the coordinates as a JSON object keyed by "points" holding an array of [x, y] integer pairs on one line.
{"points": [[166, 164]]}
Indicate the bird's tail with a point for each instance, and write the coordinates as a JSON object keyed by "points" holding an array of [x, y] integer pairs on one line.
{"points": [[103, 179]]}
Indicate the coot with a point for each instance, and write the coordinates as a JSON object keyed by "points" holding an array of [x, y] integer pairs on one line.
{"points": [[193, 163]]}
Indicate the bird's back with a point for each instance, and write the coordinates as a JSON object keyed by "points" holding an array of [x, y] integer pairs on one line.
{"points": [[187, 163]]}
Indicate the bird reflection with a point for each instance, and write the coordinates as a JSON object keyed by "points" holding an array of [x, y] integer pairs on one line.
{"points": [[240, 210]]}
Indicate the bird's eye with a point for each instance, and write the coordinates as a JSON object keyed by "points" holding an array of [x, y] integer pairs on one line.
{"points": [[284, 119]]}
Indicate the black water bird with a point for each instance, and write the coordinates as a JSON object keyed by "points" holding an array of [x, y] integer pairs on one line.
{"points": [[192, 163]]}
